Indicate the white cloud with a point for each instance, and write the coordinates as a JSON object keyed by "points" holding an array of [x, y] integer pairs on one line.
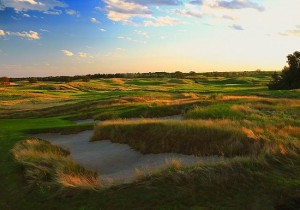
{"points": [[68, 53], [2, 32], [120, 49], [102, 30], [131, 39], [30, 35], [84, 55], [163, 21], [26, 15], [142, 33], [38, 5], [94, 20], [123, 11], [53, 12], [72, 12]]}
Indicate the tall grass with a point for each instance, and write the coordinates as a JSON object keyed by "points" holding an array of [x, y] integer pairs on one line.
{"points": [[215, 111], [197, 137], [51, 165]]}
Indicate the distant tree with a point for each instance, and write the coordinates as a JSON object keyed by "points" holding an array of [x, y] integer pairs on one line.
{"points": [[179, 74], [192, 73], [32, 80], [290, 75], [86, 79], [67, 79], [5, 81]]}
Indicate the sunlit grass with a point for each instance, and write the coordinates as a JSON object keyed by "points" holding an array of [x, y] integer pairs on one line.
{"points": [[51, 165], [197, 137]]}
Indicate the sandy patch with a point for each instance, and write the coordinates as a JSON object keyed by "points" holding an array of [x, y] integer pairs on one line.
{"points": [[115, 163]]}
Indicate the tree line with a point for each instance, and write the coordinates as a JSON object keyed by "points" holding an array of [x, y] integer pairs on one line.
{"points": [[177, 74]]}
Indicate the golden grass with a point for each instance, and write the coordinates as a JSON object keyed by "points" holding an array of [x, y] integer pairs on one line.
{"points": [[200, 137], [50, 164], [191, 95], [174, 164], [228, 98], [197, 137], [14, 97], [76, 180], [117, 81], [244, 109]]}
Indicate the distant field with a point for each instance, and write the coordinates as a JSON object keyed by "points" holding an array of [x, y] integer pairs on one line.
{"points": [[232, 117]]}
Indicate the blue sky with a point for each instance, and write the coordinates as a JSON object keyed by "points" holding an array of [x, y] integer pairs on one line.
{"points": [[68, 37]]}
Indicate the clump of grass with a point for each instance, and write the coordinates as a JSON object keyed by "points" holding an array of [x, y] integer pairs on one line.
{"points": [[174, 163], [215, 96], [215, 111], [51, 165], [197, 137], [245, 109]]}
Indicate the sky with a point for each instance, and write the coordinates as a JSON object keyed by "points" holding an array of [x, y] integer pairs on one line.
{"points": [[77, 37]]}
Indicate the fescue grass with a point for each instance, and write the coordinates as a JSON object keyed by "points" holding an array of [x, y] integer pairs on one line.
{"points": [[266, 182], [49, 165], [197, 137], [215, 111], [144, 110]]}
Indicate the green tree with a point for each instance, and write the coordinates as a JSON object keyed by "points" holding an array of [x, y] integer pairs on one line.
{"points": [[32, 80], [179, 75], [86, 79], [290, 75]]}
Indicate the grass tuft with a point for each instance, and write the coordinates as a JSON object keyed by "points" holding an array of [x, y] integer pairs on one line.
{"points": [[197, 137], [48, 164]]}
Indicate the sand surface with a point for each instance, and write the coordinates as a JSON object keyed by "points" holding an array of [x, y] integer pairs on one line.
{"points": [[115, 163]]}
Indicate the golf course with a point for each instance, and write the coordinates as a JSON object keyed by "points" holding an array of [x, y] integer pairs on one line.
{"points": [[197, 142]]}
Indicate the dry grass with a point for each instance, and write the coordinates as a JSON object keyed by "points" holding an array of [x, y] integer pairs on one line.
{"points": [[197, 137], [174, 163], [200, 137], [117, 81], [48, 164], [245, 109]]}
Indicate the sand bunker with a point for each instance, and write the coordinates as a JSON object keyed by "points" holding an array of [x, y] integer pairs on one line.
{"points": [[115, 163]]}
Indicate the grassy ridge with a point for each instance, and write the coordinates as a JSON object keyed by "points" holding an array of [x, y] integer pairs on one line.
{"points": [[46, 164], [222, 137], [267, 182]]}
